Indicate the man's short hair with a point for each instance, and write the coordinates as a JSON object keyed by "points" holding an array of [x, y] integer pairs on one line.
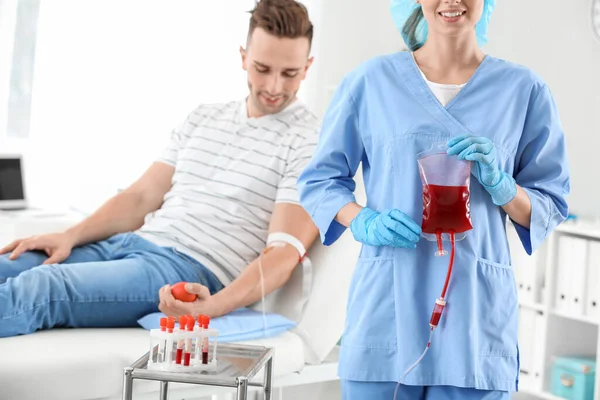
{"points": [[281, 18]]}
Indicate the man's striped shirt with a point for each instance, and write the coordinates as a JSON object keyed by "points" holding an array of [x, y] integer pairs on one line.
{"points": [[230, 170]]}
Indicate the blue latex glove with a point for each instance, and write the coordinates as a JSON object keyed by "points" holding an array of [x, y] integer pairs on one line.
{"points": [[388, 228], [481, 151]]}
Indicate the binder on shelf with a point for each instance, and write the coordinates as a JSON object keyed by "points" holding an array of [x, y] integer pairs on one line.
{"points": [[538, 350], [571, 260], [526, 339], [578, 254], [592, 295], [524, 267], [529, 277]]}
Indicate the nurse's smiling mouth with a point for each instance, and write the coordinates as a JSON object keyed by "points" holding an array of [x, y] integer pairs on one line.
{"points": [[452, 16]]}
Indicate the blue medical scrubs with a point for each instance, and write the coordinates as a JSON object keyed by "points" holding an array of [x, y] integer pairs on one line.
{"points": [[382, 115]]}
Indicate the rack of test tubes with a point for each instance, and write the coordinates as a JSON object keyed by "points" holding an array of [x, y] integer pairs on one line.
{"points": [[184, 348]]}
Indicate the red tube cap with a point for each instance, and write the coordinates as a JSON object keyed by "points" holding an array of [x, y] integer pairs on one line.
{"points": [[170, 324], [182, 321], [190, 323]]}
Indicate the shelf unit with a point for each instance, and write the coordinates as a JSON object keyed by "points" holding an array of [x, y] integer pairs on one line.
{"points": [[559, 331]]}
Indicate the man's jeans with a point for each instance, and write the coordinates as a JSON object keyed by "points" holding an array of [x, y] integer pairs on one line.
{"points": [[111, 283]]}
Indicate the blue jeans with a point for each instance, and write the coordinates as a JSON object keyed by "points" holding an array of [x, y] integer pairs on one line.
{"points": [[111, 283], [354, 390]]}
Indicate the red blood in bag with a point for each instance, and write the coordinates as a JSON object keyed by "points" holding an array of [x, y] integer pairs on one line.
{"points": [[446, 208], [179, 292]]}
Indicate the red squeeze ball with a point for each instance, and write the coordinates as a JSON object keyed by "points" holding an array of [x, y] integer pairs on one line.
{"points": [[179, 292]]}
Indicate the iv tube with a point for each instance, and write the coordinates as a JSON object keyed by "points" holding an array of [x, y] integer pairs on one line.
{"points": [[452, 242], [435, 315], [277, 243], [262, 288], [416, 362], [438, 237]]}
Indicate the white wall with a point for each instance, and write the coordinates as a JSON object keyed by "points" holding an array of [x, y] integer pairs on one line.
{"points": [[558, 45], [352, 31], [555, 39], [113, 80], [7, 26], [550, 36]]}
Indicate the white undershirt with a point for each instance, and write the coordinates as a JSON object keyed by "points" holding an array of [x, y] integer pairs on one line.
{"points": [[443, 92]]}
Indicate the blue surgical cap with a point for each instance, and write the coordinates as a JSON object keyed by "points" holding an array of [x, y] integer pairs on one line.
{"points": [[402, 9]]}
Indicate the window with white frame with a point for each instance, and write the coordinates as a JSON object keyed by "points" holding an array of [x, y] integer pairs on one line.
{"points": [[112, 78], [18, 25]]}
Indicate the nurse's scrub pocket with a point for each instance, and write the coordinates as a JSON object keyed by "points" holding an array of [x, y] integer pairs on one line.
{"points": [[497, 310], [371, 299]]}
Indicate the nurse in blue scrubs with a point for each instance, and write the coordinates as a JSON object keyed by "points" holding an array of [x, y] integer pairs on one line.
{"points": [[498, 115]]}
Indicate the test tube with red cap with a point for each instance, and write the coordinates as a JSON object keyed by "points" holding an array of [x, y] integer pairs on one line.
{"points": [[162, 344], [199, 340], [169, 346], [205, 320], [170, 324], [188, 342], [180, 342]]}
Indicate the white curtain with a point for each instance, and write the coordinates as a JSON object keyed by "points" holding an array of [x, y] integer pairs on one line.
{"points": [[113, 77]]}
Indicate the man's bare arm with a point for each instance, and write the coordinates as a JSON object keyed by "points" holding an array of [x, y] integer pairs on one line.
{"points": [[123, 213], [277, 264]]}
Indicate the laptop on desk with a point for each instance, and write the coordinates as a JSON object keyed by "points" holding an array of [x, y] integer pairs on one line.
{"points": [[12, 183]]}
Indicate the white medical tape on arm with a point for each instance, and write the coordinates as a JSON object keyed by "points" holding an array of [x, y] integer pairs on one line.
{"points": [[289, 239]]}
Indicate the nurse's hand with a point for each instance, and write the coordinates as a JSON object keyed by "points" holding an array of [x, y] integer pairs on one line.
{"points": [[388, 228], [481, 151]]}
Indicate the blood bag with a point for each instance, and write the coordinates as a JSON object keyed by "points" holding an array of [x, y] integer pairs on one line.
{"points": [[446, 195]]}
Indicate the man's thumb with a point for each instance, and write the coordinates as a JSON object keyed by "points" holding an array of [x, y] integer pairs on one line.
{"points": [[197, 289], [54, 259]]}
